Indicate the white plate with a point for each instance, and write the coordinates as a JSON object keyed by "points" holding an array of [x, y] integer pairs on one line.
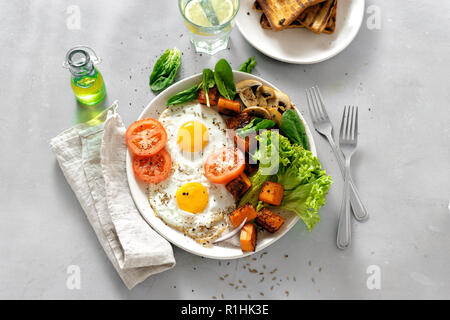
{"points": [[299, 45], [139, 189]]}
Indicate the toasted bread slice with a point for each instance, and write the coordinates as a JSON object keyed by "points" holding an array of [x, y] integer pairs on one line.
{"points": [[266, 25], [317, 18], [281, 13], [331, 26], [257, 7]]}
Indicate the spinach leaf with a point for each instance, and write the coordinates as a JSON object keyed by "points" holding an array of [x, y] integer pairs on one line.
{"points": [[184, 96], [248, 65], [207, 83], [255, 125], [293, 128], [223, 75], [165, 70]]}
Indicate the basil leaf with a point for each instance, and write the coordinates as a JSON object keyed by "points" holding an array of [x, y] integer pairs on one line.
{"points": [[207, 83], [184, 96], [255, 125], [165, 69], [223, 75], [293, 128], [248, 65]]}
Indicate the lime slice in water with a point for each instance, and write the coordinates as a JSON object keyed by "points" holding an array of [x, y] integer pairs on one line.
{"points": [[224, 10], [209, 12], [195, 13]]}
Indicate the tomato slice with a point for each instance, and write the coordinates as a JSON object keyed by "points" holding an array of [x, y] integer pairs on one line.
{"points": [[223, 165], [153, 169], [145, 137]]}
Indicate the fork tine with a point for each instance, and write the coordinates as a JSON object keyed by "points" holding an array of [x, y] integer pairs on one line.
{"points": [[350, 124], [322, 105], [356, 124], [310, 106], [317, 104], [343, 123]]}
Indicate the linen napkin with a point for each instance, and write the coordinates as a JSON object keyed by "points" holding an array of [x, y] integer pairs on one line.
{"points": [[92, 157]]}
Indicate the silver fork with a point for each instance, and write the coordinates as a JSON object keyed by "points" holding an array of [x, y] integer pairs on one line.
{"points": [[348, 138], [323, 125]]}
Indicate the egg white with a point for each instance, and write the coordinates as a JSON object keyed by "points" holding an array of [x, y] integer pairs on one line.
{"points": [[189, 167]]}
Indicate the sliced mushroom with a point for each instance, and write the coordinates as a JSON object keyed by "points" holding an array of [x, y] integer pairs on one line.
{"points": [[263, 94], [280, 101], [275, 115], [258, 112], [247, 92]]}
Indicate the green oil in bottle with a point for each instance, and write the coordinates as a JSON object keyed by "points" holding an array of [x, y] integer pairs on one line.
{"points": [[87, 82]]}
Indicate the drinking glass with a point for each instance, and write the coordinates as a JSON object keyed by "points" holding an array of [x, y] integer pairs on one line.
{"points": [[210, 22]]}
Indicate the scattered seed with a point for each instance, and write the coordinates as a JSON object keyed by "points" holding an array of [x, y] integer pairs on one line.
{"points": [[320, 269], [271, 288], [244, 286], [223, 297], [231, 284], [313, 280], [295, 279], [240, 281], [221, 278], [309, 262], [264, 266], [262, 294], [273, 271], [214, 297], [286, 256], [225, 275], [249, 296], [253, 270], [287, 293], [262, 279], [274, 278]]}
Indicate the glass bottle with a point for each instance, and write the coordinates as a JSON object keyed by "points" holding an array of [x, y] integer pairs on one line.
{"points": [[87, 82]]}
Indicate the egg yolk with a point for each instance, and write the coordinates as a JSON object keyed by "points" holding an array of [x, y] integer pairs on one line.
{"points": [[192, 197], [192, 136]]}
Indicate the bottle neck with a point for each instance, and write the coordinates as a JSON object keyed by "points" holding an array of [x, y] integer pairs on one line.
{"points": [[80, 63]]}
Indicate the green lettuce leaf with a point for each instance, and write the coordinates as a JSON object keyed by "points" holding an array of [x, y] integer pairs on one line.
{"points": [[304, 181], [165, 69]]}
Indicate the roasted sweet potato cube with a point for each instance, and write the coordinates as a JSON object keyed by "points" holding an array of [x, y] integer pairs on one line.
{"points": [[271, 193], [239, 121], [247, 143], [238, 186], [238, 215], [269, 220], [250, 168], [248, 237], [213, 96], [228, 107]]}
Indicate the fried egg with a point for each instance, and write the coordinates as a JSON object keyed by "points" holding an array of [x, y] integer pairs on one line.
{"points": [[187, 200]]}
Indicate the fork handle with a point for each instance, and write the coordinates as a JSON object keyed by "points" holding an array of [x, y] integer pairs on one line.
{"points": [[344, 233], [359, 210]]}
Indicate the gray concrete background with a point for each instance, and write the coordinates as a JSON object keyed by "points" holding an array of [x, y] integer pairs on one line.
{"points": [[398, 76]]}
